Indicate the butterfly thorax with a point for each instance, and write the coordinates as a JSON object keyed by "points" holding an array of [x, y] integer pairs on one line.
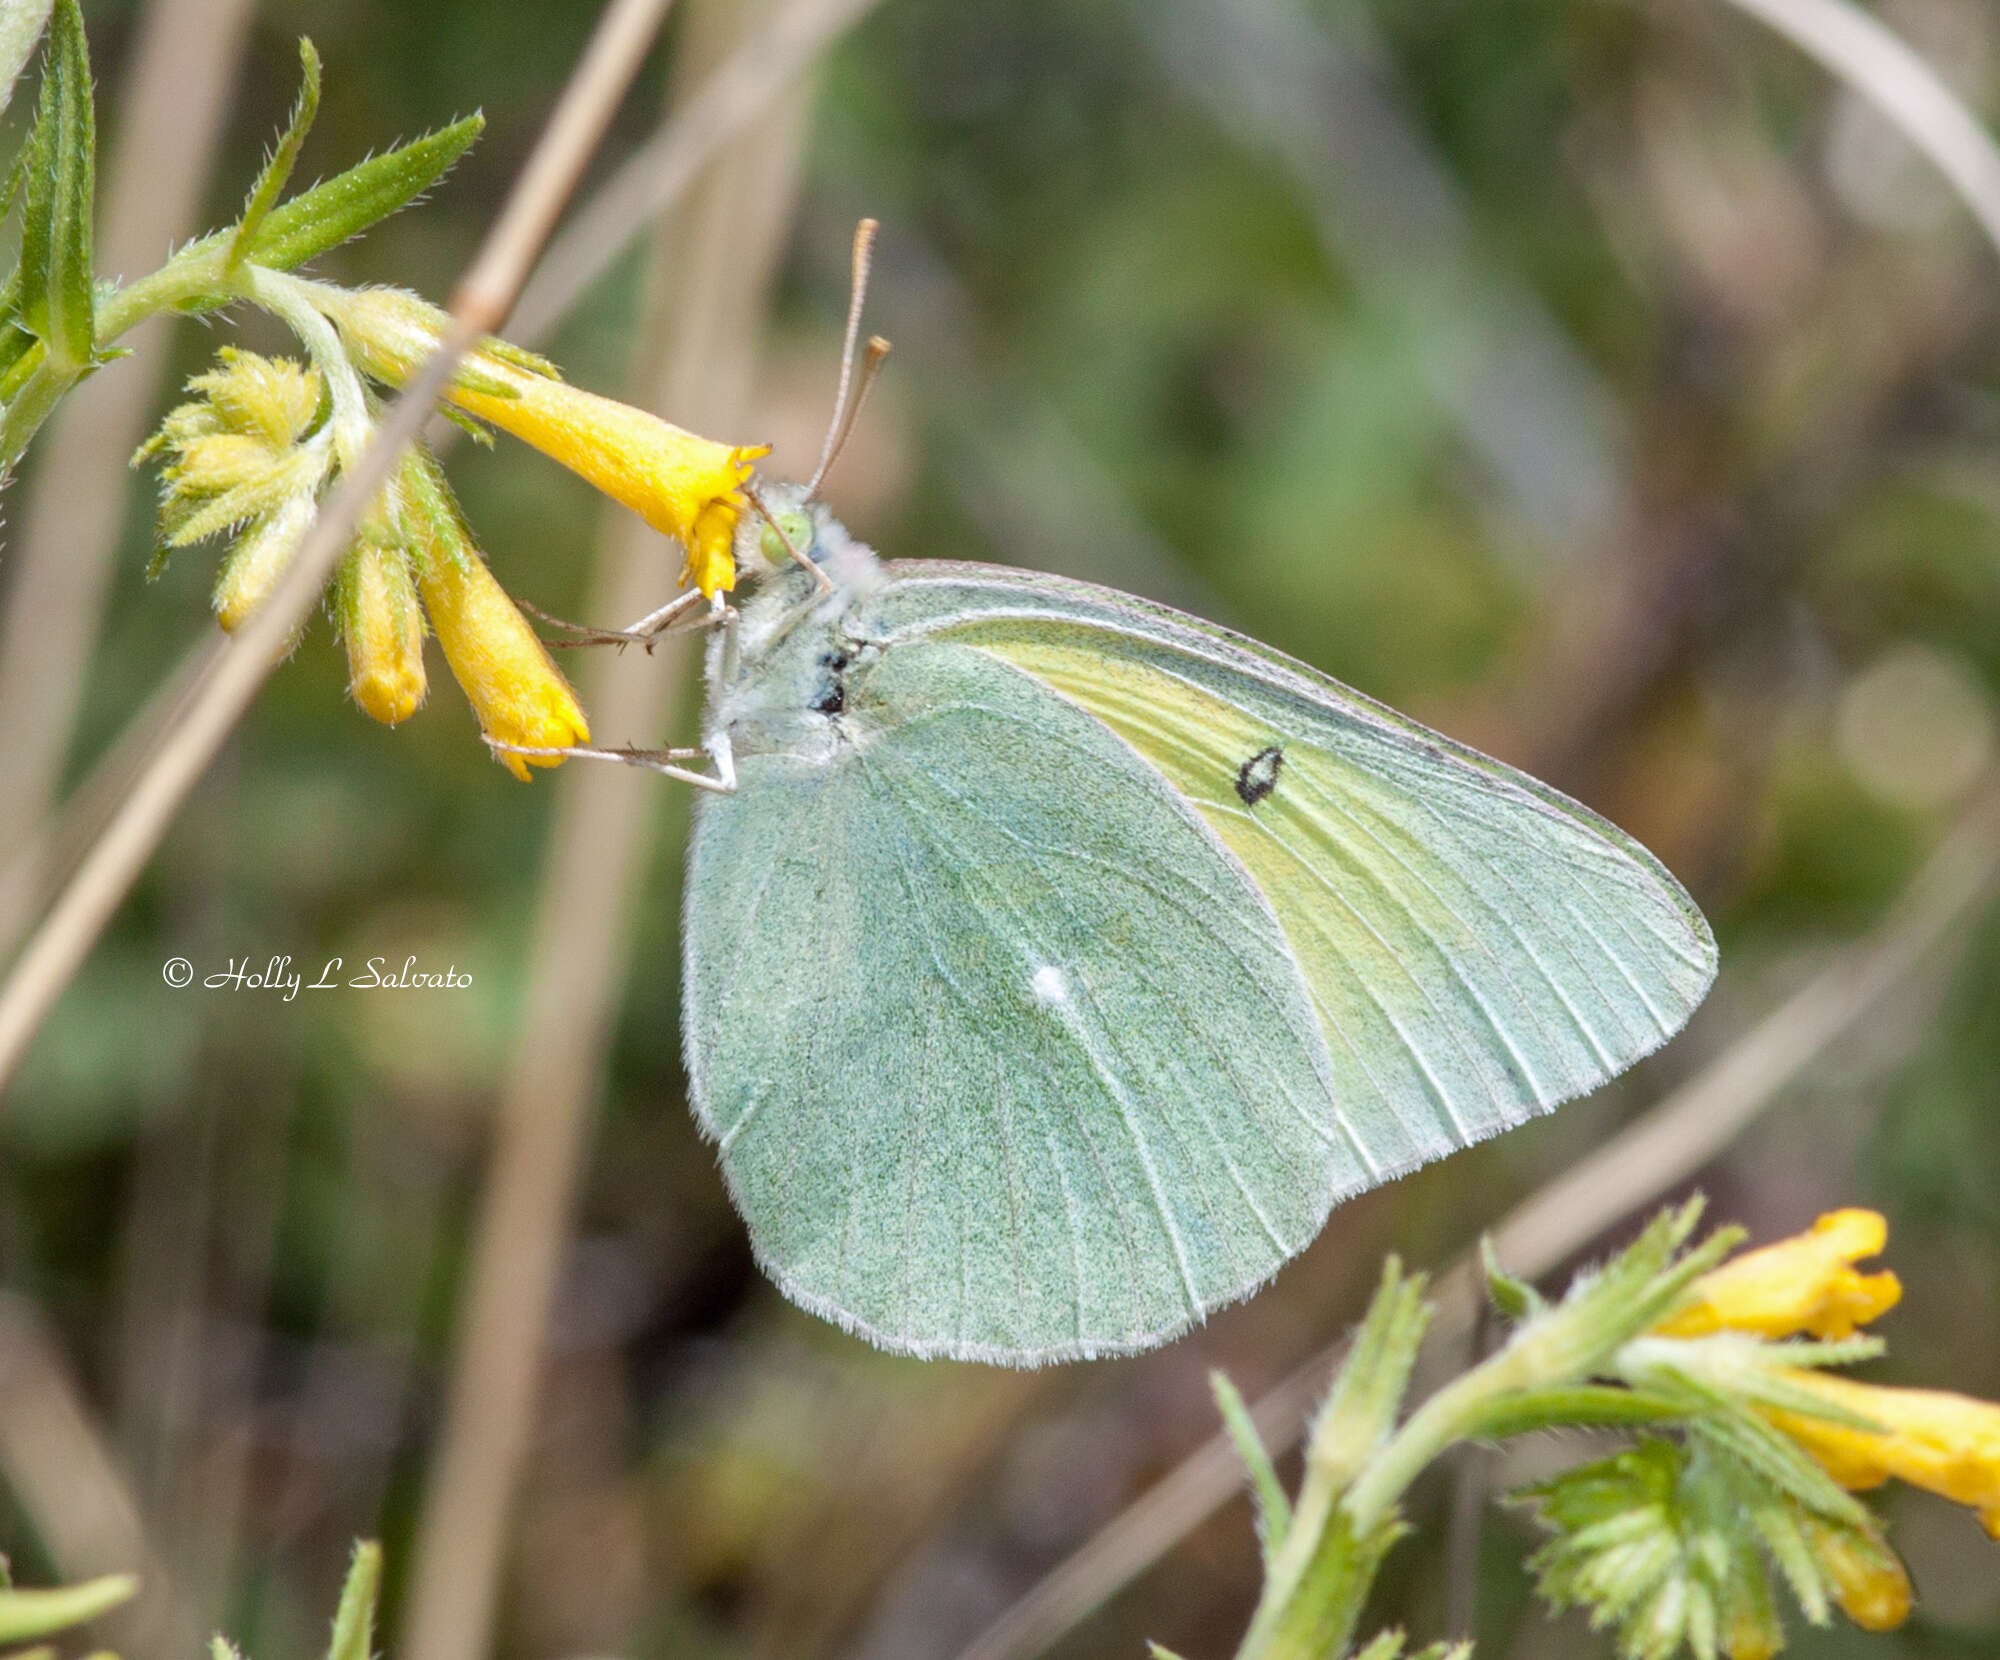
{"points": [[782, 683]]}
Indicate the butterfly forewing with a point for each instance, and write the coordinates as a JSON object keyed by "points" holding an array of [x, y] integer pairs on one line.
{"points": [[1477, 946], [1007, 1056]]}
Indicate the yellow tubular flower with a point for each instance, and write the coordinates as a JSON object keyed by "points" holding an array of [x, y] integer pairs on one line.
{"points": [[384, 631], [509, 679], [679, 484], [1807, 1283], [1948, 1444], [683, 485], [711, 555]]}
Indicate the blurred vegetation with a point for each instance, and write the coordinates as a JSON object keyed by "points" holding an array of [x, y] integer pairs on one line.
{"points": [[1616, 394]]}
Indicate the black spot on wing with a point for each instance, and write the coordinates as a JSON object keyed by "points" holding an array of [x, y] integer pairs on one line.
{"points": [[1258, 776]]}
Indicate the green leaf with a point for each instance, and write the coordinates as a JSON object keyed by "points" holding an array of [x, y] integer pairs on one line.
{"points": [[1578, 1407], [58, 293], [354, 1623], [507, 352], [29, 1614], [21, 354], [1516, 1299], [10, 301], [278, 170], [1274, 1510], [348, 203], [475, 429], [469, 377], [1777, 1525], [1361, 1407], [17, 173], [1629, 1295]]}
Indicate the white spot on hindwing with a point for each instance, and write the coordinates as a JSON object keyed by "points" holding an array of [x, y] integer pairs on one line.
{"points": [[1050, 985]]}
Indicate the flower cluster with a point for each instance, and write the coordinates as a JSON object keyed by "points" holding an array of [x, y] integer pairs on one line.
{"points": [[262, 439], [1737, 1481], [1670, 1541], [248, 456], [1862, 1434]]}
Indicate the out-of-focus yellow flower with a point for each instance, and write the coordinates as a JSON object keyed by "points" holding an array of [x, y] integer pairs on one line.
{"points": [[1750, 1629], [508, 677], [383, 627], [1807, 1283], [1868, 1579], [1946, 1443], [684, 485]]}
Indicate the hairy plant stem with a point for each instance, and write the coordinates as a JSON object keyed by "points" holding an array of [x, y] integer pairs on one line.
{"points": [[29, 408], [290, 300], [1346, 1520], [197, 274]]}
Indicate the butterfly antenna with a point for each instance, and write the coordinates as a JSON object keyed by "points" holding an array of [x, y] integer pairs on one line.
{"points": [[857, 292]]}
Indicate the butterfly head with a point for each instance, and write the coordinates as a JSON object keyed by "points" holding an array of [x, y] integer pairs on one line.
{"points": [[790, 529]]}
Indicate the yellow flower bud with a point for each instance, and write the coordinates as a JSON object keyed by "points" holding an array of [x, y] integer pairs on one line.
{"points": [[1807, 1283], [1868, 1579], [252, 568], [1750, 1631], [384, 631], [508, 677], [219, 461], [274, 398], [1946, 1443]]}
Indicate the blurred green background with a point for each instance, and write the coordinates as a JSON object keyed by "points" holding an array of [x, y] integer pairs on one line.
{"points": [[1593, 380]]}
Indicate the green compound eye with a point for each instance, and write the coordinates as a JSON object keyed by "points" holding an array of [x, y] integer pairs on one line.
{"points": [[798, 529]]}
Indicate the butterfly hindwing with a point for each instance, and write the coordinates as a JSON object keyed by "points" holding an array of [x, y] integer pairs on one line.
{"points": [[1006, 1056], [1477, 946]]}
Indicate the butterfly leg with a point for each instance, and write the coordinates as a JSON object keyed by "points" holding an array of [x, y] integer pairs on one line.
{"points": [[645, 632], [663, 761]]}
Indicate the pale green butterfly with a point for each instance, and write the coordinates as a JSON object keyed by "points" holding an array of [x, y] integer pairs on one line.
{"points": [[1055, 961]]}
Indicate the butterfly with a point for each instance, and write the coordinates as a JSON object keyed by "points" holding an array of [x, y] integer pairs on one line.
{"points": [[1055, 961]]}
